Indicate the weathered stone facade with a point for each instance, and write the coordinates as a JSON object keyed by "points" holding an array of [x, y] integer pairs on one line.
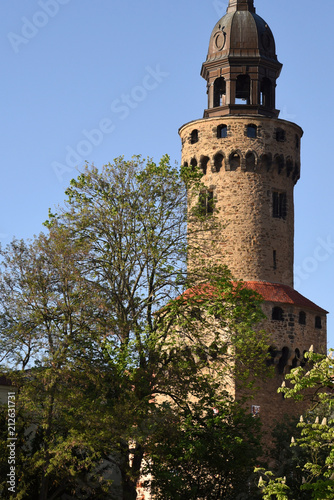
{"points": [[250, 161], [243, 174]]}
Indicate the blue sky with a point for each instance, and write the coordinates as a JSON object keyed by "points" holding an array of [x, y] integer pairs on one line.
{"points": [[95, 79]]}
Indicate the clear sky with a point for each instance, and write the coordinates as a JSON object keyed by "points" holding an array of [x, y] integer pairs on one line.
{"points": [[95, 79]]}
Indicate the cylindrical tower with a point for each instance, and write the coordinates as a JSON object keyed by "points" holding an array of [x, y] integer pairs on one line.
{"points": [[250, 161], [251, 164]]}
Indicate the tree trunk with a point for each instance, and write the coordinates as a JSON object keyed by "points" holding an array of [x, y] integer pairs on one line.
{"points": [[131, 474]]}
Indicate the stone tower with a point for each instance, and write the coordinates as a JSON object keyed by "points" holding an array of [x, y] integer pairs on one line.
{"points": [[251, 162]]}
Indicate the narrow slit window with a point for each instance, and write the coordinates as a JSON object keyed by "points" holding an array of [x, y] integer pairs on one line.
{"points": [[275, 259]]}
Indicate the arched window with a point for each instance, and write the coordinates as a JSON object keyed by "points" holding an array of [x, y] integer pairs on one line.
{"points": [[250, 162], [234, 161], [277, 314], [296, 358], [194, 136], [222, 131], [266, 93], [219, 92], [218, 161], [318, 323], [252, 131], [266, 162], [204, 164], [302, 318], [242, 94], [193, 164]]}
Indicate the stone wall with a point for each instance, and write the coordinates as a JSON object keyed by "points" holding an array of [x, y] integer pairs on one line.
{"points": [[245, 174]]}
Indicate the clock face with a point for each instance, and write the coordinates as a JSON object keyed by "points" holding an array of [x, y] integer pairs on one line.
{"points": [[220, 39]]}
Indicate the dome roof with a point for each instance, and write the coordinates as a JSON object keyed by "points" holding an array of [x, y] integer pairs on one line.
{"points": [[242, 33]]}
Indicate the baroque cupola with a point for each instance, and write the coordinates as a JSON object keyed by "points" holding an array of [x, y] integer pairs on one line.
{"points": [[241, 68]]}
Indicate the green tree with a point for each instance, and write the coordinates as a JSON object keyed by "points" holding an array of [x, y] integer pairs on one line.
{"points": [[206, 451], [98, 332], [314, 435]]}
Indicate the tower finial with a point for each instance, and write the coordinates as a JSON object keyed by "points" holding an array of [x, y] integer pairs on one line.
{"points": [[241, 5]]}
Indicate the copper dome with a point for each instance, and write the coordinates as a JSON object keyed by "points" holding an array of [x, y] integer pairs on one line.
{"points": [[242, 33]]}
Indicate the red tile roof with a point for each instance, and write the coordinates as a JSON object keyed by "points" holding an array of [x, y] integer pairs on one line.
{"points": [[284, 294], [271, 292]]}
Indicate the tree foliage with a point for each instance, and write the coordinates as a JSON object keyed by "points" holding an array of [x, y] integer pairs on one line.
{"points": [[315, 433], [208, 452], [105, 332]]}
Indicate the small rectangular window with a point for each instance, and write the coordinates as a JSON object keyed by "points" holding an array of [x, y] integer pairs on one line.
{"points": [[279, 205], [206, 203], [252, 131]]}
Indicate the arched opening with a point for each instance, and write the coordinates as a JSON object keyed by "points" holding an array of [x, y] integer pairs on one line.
{"points": [[250, 162], [194, 136], [252, 131], [234, 161], [266, 162], [266, 93], [218, 162], [222, 131], [242, 93], [277, 314], [283, 361], [296, 359], [219, 92], [193, 164], [204, 164]]}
